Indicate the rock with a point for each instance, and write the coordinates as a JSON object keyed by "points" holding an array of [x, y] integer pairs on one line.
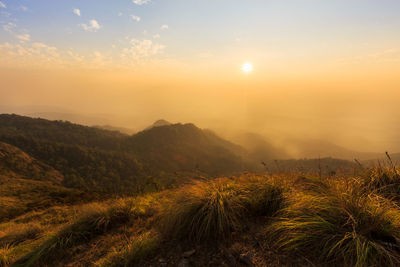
{"points": [[189, 253], [246, 259], [183, 263]]}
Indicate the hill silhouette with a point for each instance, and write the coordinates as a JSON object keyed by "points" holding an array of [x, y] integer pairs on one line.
{"points": [[185, 147], [159, 123]]}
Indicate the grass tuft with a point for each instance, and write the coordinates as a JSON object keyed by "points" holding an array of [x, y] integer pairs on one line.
{"points": [[384, 180], [340, 223], [5, 259], [97, 220], [211, 210], [141, 247], [18, 233]]}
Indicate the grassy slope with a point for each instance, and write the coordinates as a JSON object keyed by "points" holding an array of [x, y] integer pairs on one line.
{"points": [[269, 220], [27, 184]]}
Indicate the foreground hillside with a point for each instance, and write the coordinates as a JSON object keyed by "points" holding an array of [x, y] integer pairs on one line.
{"points": [[249, 220]]}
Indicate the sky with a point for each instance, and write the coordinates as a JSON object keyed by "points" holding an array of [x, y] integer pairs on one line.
{"points": [[321, 69]]}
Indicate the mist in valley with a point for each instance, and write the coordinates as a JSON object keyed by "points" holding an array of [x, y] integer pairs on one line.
{"points": [[299, 118]]}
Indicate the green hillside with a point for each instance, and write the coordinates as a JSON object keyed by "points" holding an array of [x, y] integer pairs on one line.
{"points": [[92, 158], [26, 184]]}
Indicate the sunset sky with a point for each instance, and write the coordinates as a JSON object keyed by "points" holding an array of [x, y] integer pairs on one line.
{"points": [[319, 66]]}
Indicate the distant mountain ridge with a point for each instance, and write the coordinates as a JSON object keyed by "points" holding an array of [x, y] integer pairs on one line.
{"points": [[187, 147], [159, 123]]}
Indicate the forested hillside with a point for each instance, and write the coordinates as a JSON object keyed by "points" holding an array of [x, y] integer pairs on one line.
{"points": [[92, 158]]}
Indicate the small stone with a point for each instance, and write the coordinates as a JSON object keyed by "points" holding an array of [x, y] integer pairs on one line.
{"points": [[189, 253], [246, 259]]}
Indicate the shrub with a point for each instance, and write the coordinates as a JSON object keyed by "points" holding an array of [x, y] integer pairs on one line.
{"points": [[339, 223]]}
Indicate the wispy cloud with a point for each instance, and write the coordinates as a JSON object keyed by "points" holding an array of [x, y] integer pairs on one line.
{"points": [[76, 57], [9, 27], [141, 2], [35, 54], [23, 8], [77, 12], [164, 27], [23, 37], [387, 55], [141, 49], [136, 18], [2, 5], [93, 26], [156, 36]]}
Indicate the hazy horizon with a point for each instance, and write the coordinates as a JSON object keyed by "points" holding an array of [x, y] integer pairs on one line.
{"points": [[321, 70]]}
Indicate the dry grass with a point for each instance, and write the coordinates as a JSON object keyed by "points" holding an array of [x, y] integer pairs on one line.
{"points": [[329, 221], [338, 223], [211, 210], [5, 258], [19, 233], [140, 247], [384, 180], [96, 220]]}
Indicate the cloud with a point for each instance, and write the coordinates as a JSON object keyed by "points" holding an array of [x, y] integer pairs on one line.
{"points": [[93, 26], [141, 2], [77, 12], [41, 48], [23, 37], [136, 18], [2, 5], [35, 54], [141, 49], [156, 36], [388, 55], [120, 14], [9, 27], [76, 57], [24, 8], [164, 27], [385, 53], [4, 14]]}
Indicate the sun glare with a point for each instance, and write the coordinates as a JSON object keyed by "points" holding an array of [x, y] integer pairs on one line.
{"points": [[247, 67]]}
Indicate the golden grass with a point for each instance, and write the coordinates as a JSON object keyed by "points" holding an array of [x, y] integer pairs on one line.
{"points": [[140, 247], [340, 224], [19, 233], [211, 210], [330, 221], [5, 258]]}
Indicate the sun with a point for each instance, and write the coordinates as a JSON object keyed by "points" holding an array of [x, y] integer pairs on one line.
{"points": [[247, 67]]}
